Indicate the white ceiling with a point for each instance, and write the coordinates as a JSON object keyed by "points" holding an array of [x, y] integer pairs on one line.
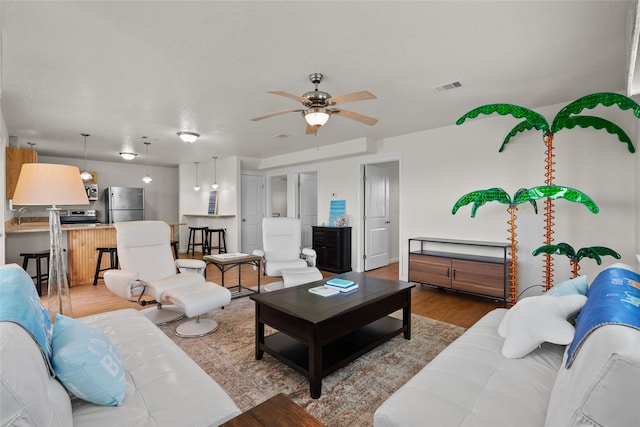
{"points": [[120, 70]]}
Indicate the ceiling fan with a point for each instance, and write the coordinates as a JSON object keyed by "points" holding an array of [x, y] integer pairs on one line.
{"points": [[319, 105]]}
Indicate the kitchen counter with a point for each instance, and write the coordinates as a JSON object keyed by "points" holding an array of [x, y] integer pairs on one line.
{"points": [[82, 243], [43, 226]]}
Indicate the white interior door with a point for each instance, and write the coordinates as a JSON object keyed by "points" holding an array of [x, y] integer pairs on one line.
{"points": [[307, 205], [376, 219], [252, 212]]}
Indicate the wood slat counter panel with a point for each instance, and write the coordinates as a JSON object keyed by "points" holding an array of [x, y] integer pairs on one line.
{"points": [[83, 254]]}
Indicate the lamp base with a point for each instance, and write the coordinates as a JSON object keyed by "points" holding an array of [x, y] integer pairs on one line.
{"points": [[58, 293]]}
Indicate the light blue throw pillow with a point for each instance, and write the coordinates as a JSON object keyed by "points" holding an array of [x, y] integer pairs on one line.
{"points": [[573, 286], [86, 362]]}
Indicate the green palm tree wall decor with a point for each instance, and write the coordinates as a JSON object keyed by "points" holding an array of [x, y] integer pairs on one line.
{"points": [[593, 252], [567, 118], [481, 197]]}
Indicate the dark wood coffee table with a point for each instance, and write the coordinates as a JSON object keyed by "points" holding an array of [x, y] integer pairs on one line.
{"points": [[279, 411], [319, 335]]}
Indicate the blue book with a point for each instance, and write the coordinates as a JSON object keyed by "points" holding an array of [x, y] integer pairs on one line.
{"points": [[340, 283]]}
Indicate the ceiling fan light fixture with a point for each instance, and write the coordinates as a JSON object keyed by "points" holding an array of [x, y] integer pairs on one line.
{"points": [[188, 137], [316, 116], [128, 155]]}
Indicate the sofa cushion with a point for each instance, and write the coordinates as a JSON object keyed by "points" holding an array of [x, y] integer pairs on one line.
{"points": [[538, 319], [20, 303], [470, 383], [86, 362], [164, 387], [602, 384], [29, 395], [577, 285]]}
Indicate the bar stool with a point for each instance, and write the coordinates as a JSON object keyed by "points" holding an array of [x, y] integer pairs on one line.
{"points": [[222, 240], [113, 262], [191, 245], [38, 257]]}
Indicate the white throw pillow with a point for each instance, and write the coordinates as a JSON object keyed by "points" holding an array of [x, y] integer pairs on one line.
{"points": [[538, 319]]}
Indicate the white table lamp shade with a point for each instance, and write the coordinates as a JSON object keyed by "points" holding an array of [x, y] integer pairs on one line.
{"points": [[48, 184]]}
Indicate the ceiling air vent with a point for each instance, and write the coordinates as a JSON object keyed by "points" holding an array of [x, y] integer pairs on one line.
{"points": [[447, 86]]}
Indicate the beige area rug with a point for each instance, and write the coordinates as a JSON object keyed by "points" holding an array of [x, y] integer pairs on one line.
{"points": [[350, 395]]}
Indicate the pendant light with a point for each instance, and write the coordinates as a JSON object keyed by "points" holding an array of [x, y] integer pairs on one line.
{"points": [[147, 178], [215, 185], [85, 175], [196, 187]]}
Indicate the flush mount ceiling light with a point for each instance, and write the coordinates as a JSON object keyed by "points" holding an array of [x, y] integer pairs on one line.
{"points": [[316, 116], [85, 175], [128, 155], [147, 178], [215, 185], [196, 187], [188, 137]]}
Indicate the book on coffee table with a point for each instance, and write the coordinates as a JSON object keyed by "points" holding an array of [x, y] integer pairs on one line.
{"points": [[324, 291], [340, 283], [343, 290]]}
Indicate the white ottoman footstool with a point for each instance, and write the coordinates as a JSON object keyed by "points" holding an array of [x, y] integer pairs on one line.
{"points": [[294, 277], [196, 300]]}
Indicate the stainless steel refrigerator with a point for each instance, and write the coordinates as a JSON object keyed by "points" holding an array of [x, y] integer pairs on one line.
{"points": [[124, 204]]}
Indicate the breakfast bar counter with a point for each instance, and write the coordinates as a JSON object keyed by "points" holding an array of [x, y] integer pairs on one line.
{"points": [[82, 243]]}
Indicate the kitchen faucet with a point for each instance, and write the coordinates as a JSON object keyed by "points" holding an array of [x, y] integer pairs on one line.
{"points": [[20, 212]]}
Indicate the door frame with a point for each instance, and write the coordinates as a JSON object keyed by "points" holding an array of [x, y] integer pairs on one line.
{"points": [[359, 238]]}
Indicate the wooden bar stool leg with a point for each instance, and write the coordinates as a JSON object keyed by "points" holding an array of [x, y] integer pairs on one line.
{"points": [[98, 265]]}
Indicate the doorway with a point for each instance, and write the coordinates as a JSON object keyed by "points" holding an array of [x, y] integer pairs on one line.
{"points": [[380, 219], [278, 196], [252, 211]]}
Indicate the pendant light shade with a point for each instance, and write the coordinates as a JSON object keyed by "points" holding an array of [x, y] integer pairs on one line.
{"points": [[196, 187], [215, 185], [147, 178], [85, 175], [188, 137]]}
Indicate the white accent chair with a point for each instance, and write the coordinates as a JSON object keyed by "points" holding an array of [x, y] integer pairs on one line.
{"points": [[281, 240], [148, 269]]}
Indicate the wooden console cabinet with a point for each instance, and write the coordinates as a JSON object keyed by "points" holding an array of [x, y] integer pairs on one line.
{"points": [[479, 274], [333, 248]]}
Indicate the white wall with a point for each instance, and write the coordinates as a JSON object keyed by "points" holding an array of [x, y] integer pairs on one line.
{"points": [[161, 195], [441, 165], [193, 202]]}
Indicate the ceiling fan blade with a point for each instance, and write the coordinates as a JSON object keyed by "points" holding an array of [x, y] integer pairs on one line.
{"points": [[289, 95], [312, 130], [255, 119], [351, 97], [356, 116]]}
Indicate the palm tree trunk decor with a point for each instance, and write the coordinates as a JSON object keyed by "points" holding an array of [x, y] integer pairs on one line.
{"points": [[480, 197], [568, 117]]}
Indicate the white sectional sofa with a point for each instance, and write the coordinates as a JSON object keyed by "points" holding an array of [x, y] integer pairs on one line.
{"points": [[471, 383], [164, 387]]}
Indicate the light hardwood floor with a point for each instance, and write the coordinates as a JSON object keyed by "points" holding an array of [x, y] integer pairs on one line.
{"points": [[458, 309]]}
